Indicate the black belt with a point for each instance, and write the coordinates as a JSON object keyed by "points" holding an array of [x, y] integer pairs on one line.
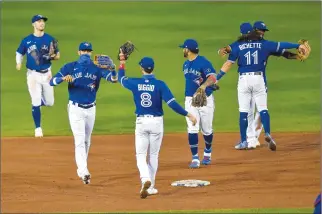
{"points": [[146, 115], [252, 73], [42, 71], [85, 106]]}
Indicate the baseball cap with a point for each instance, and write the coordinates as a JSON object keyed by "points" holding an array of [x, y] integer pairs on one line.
{"points": [[147, 63], [85, 46], [260, 25], [38, 17], [191, 44], [245, 28]]}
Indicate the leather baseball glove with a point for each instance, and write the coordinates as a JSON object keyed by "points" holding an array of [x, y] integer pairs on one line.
{"points": [[104, 61], [126, 49], [53, 49], [199, 99], [303, 52]]}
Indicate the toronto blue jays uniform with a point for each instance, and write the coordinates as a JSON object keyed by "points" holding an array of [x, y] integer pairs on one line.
{"points": [[148, 94], [317, 205], [38, 70], [82, 102], [252, 58], [196, 72]]}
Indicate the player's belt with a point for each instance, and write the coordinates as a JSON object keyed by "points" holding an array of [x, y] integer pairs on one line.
{"points": [[42, 71], [252, 73], [85, 106], [146, 115]]}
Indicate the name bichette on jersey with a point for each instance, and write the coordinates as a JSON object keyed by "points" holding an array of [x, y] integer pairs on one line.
{"points": [[145, 87], [250, 45]]}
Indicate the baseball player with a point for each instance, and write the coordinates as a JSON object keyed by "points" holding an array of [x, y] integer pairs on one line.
{"points": [[317, 205], [252, 53], [148, 93], [254, 125], [199, 73], [84, 81], [40, 48]]}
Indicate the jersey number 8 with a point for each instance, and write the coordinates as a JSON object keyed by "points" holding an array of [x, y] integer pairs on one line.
{"points": [[146, 100]]}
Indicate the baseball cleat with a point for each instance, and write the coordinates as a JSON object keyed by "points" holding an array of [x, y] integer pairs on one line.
{"points": [[242, 145], [38, 132], [271, 142], [206, 160], [144, 190], [195, 164], [152, 191], [252, 143], [86, 179]]}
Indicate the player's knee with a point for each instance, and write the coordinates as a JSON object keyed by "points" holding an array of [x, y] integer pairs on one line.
{"points": [[193, 130], [36, 102], [262, 108], [206, 132], [244, 109]]}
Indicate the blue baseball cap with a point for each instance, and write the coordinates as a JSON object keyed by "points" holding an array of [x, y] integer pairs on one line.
{"points": [[38, 17], [246, 28], [85, 46], [147, 63], [190, 44], [259, 25]]}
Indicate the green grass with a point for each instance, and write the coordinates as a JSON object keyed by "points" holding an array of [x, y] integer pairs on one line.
{"points": [[157, 28]]}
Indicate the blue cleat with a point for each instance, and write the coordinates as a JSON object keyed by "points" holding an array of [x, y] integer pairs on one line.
{"points": [[270, 141], [195, 164], [242, 145], [206, 160]]}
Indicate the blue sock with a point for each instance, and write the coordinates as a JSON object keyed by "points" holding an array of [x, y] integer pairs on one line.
{"points": [[208, 142], [36, 115], [193, 142], [243, 123], [265, 121]]}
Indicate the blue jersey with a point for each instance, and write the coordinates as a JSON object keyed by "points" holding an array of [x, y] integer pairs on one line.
{"points": [[35, 47], [279, 53], [148, 93], [252, 56], [86, 79], [196, 73]]}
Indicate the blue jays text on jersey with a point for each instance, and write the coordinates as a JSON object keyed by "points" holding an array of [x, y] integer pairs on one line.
{"points": [[148, 93], [35, 48], [86, 79], [252, 56], [196, 73]]}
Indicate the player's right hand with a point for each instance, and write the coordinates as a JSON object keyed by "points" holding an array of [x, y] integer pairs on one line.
{"points": [[192, 119], [18, 67], [68, 78]]}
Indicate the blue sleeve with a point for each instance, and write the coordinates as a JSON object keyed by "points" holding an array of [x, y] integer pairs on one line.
{"points": [[22, 48], [58, 77], [168, 97], [207, 68], [233, 56], [177, 108], [108, 75], [277, 47], [124, 80]]}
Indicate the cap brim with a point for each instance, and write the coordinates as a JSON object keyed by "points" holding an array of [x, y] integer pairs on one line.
{"points": [[86, 49], [181, 46]]}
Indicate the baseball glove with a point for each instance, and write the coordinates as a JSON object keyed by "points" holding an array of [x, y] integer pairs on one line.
{"points": [[104, 61], [304, 50], [126, 49], [199, 99], [53, 49]]}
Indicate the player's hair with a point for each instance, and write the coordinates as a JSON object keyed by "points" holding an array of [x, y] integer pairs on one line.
{"points": [[252, 36], [149, 71], [195, 51]]}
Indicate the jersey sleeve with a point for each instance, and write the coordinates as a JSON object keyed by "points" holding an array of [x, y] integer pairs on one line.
{"points": [[207, 68], [166, 94], [273, 47], [233, 56], [126, 82], [22, 48], [64, 71]]}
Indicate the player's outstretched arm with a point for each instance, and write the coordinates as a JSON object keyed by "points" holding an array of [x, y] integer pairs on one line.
{"points": [[62, 75]]}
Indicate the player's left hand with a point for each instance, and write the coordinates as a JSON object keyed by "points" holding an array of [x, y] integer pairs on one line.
{"points": [[68, 78]]}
